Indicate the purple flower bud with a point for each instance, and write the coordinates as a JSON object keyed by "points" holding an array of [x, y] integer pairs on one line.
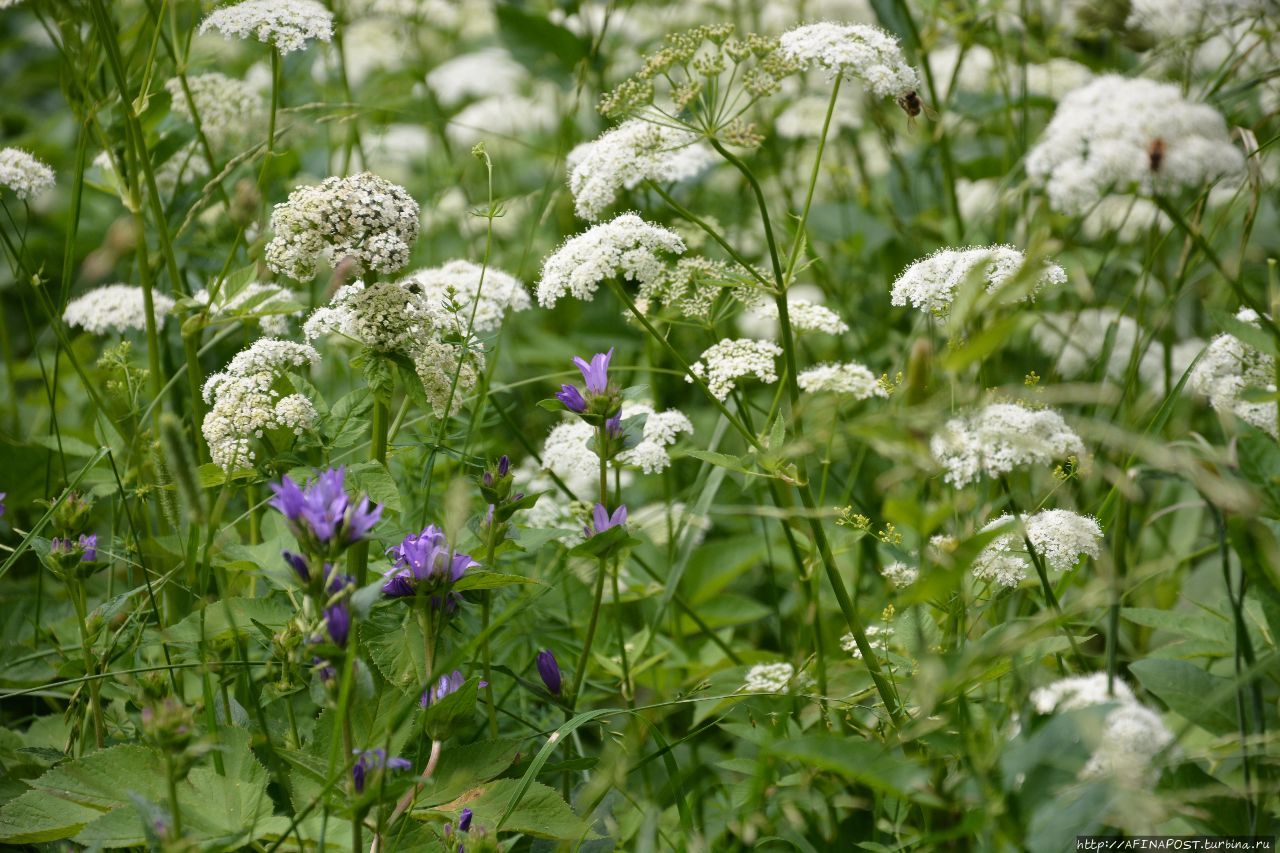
{"points": [[504, 466], [89, 545], [370, 761], [487, 479], [613, 426], [549, 669], [298, 563], [596, 373], [572, 398], [4, 495], [442, 688], [324, 669], [337, 620], [464, 820], [602, 521]]}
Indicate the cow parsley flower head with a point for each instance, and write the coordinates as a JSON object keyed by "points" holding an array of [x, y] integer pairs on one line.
{"points": [[628, 155], [1178, 19], [856, 51], [246, 400], [930, 284], [661, 429], [568, 451], [999, 438], [228, 108], [626, 247], [1228, 369], [489, 292], [1130, 135], [115, 309], [481, 73], [1132, 738], [849, 378], [769, 678], [23, 174], [724, 363], [262, 301], [807, 316], [690, 287], [1060, 538], [286, 25], [878, 637], [363, 217], [900, 574]]}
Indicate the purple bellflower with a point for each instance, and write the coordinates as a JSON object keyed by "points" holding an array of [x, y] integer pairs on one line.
{"points": [[595, 376], [322, 513], [549, 669], [601, 520], [370, 761], [443, 687], [425, 561], [86, 546]]}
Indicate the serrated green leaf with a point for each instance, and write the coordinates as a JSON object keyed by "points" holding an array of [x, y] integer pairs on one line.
{"points": [[395, 643], [541, 812], [373, 479], [489, 580]]}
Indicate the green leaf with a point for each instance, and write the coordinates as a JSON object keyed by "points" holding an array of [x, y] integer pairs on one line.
{"points": [[541, 812], [443, 716], [396, 645], [489, 580], [37, 817], [1204, 699], [229, 616], [860, 760], [1196, 624], [605, 544], [540, 45], [723, 460], [348, 421], [465, 766], [1259, 457], [211, 476], [373, 479]]}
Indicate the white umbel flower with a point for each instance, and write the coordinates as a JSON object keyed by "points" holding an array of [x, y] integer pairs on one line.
{"points": [[115, 309], [626, 156], [489, 292], [1178, 19], [624, 247], [878, 637], [228, 108], [1132, 737], [1229, 368], [246, 402], [23, 174], [363, 217], [502, 117], [722, 364], [1126, 135], [661, 429], [806, 316], [900, 574], [769, 678], [849, 378], [286, 25], [856, 51], [930, 284], [1060, 538], [262, 301], [568, 454], [999, 438]]}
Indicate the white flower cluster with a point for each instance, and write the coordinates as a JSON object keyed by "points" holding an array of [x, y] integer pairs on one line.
{"points": [[1133, 736], [1228, 369], [729, 360], [568, 455], [1060, 538], [484, 73], [623, 247], [878, 637], [853, 50], [286, 25], [848, 378], [228, 108], [449, 372], [26, 176], [770, 678], [1079, 341], [999, 438], [900, 574], [363, 217], [261, 300], [807, 316], [629, 154], [930, 284], [489, 292], [115, 309], [245, 402], [1119, 134], [690, 287]]}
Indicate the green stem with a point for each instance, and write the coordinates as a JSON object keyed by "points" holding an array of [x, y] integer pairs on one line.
{"points": [[175, 811], [798, 243], [79, 599], [378, 453], [271, 124], [585, 658]]}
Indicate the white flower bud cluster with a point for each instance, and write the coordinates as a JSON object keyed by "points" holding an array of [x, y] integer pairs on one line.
{"points": [[999, 438], [449, 372], [1060, 538], [1129, 135], [848, 378], [26, 176], [260, 300], [624, 247], [228, 108], [769, 678], [806, 316], [246, 400], [1133, 736], [115, 309], [626, 156], [490, 293], [724, 363], [930, 284], [286, 25], [690, 287], [363, 217], [1229, 368], [567, 453], [853, 50], [900, 574], [878, 637]]}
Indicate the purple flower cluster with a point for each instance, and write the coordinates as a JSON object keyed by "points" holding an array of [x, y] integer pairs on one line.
{"points": [[464, 826], [322, 515], [86, 546], [424, 563], [370, 761], [602, 398]]}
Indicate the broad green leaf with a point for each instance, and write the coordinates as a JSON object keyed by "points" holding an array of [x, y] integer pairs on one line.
{"points": [[1204, 699], [541, 812], [859, 760], [396, 645], [348, 421], [373, 479], [465, 766], [489, 580], [232, 615]]}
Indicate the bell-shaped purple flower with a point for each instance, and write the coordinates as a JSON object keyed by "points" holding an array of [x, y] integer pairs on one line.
{"points": [[613, 426], [322, 512], [370, 761], [298, 563], [86, 546], [596, 372], [443, 687], [572, 398], [425, 561], [601, 520], [464, 820], [549, 669]]}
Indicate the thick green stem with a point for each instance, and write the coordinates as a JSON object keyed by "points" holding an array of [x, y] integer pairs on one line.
{"points": [[584, 659], [378, 453], [175, 811]]}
